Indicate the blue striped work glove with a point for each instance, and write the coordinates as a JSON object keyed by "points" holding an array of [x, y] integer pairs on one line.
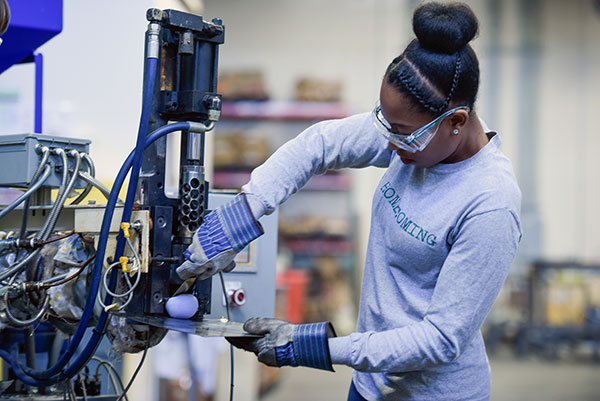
{"points": [[287, 344], [225, 232]]}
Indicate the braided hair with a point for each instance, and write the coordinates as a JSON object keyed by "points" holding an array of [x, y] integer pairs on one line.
{"points": [[4, 16], [438, 68]]}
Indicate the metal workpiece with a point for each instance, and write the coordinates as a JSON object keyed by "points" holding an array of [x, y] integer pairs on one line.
{"points": [[207, 328]]}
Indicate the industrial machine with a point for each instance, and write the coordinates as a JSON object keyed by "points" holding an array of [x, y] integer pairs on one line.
{"points": [[72, 273]]}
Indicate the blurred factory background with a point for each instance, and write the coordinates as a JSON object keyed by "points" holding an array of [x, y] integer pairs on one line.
{"points": [[286, 64]]}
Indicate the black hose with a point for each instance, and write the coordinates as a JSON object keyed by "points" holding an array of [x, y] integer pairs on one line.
{"points": [[137, 370]]}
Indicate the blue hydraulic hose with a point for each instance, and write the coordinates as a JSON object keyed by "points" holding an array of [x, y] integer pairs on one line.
{"points": [[93, 342], [139, 149], [98, 332], [137, 160], [13, 362]]}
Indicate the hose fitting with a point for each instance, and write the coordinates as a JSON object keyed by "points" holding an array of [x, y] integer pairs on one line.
{"points": [[125, 227], [123, 260], [153, 42], [200, 127]]}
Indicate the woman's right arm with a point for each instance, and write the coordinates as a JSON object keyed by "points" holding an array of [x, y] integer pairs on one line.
{"points": [[334, 144]]}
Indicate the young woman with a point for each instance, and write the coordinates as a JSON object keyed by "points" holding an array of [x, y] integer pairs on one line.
{"points": [[445, 225]]}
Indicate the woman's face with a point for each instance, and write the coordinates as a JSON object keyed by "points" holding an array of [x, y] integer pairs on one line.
{"points": [[400, 112]]}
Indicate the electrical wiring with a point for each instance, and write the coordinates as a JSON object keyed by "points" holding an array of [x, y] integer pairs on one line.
{"points": [[110, 367], [52, 218], [71, 277], [93, 342], [40, 286], [137, 270], [71, 392], [128, 293], [132, 287], [70, 362], [45, 151], [110, 376], [34, 244], [25, 195], [92, 173], [19, 266], [83, 389], [96, 277], [55, 278], [61, 190], [230, 346], [62, 197], [137, 370], [44, 378], [55, 239], [95, 183], [22, 323], [19, 322], [53, 373]]}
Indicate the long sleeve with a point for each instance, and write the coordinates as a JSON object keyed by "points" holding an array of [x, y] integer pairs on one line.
{"points": [[334, 144], [468, 283]]}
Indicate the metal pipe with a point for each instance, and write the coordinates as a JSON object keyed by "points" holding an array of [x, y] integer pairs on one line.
{"points": [[52, 372], [63, 185], [23, 323], [45, 155], [34, 187], [89, 186], [94, 182], [60, 201], [19, 266]]}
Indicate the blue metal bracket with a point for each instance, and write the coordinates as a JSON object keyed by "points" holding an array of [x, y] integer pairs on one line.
{"points": [[38, 60]]}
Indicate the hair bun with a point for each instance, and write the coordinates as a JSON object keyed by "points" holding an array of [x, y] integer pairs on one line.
{"points": [[444, 28]]}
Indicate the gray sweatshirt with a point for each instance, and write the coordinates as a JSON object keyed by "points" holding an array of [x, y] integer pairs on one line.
{"points": [[441, 243]]}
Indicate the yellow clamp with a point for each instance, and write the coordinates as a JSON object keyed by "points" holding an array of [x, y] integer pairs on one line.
{"points": [[125, 227], [123, 260]]}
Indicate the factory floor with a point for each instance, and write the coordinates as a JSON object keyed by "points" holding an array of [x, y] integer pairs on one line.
{"points": [[512, 380]]}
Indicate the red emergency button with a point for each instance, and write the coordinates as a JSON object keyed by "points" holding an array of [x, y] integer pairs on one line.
{"points": [[238, 297]]}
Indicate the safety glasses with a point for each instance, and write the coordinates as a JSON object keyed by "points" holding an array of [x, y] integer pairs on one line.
{"points": [[415, 141]]}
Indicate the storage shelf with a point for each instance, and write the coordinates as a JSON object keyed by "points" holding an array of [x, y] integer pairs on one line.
{"points": [[282, 111], [318, 246], [325, 182]]}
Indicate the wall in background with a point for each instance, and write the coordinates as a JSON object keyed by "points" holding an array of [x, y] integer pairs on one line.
{"points": [[92, 80]]}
